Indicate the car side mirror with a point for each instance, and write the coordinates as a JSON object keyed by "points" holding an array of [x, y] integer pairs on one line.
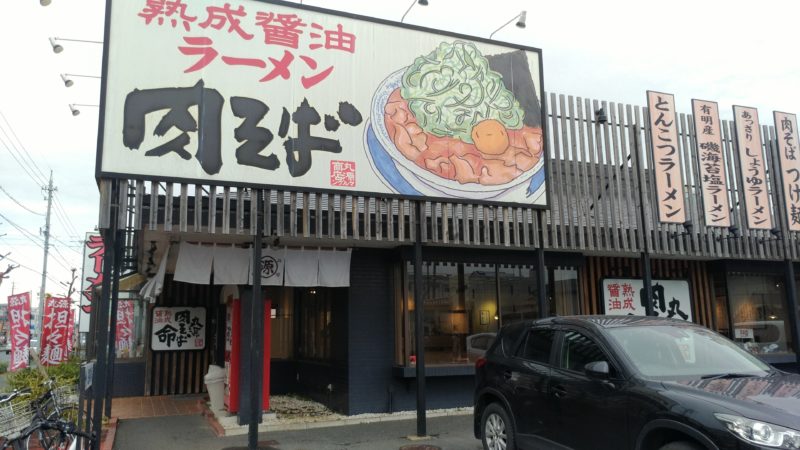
{"points": [[598, 370]]}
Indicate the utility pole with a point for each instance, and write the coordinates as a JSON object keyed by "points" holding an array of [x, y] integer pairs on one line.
{"points": [[50, 189]]}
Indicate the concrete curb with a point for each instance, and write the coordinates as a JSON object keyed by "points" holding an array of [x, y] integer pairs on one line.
{"points": [[274, 424]]}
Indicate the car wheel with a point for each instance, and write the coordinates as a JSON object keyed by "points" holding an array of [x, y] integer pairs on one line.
{"points": [[497, 431], [681, 445]]}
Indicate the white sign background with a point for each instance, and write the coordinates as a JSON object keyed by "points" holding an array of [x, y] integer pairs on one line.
{"points": [[673, 289], [166, 317], [155, 56]]}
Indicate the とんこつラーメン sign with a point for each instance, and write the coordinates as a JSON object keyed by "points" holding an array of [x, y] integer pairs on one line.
{"points": [[270, 94]]}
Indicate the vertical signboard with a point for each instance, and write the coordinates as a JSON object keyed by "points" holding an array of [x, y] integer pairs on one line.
{"points": [[19, 319], [666, 157], [711, 160], [753, 168], [125, 338], [71, 332], [786, 130], [55, 331], [92, 277]]}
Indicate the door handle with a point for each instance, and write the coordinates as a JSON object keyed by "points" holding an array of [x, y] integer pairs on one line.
{"points": [[507, 375], [559, 391]]}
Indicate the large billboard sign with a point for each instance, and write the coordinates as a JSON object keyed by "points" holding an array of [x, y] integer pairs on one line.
{"points": [[267, 93]]}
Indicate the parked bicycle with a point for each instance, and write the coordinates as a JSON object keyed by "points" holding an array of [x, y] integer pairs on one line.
{"points": [[47, 422]]}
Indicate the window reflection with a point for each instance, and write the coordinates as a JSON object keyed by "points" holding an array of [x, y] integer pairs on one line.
{"points": [[465, 304], [760, 323]]}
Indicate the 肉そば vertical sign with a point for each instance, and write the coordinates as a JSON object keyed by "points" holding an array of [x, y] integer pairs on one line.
{"points": [[786, 130], [752, 167], [666, 157], [178, 328], [711, 160], [265, 93]]}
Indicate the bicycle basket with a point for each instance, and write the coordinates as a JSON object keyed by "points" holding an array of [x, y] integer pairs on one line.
{"points": [[15, 416], [66, 395]]}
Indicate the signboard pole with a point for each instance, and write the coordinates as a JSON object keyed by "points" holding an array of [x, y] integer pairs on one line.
{"points": [[419, 310], [791, 296], [256, 331], [112, 332], [101, 336], [541, 270], [646, 272]]}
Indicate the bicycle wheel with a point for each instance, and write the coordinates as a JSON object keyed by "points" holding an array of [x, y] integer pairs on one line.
{"points": [[48, 439], [68, 414]]}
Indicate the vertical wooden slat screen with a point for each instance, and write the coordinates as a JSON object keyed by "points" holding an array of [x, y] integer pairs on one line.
{"points": [[593, 188], [180, 372]]}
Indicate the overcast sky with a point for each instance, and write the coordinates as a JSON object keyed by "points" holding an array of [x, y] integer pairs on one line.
{"points": [[732, 52]]}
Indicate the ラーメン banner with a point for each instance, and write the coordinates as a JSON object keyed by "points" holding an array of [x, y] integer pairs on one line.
{"points": [[789, 157], [666, 157], [711, 160], [752, 168], [267, 93]]}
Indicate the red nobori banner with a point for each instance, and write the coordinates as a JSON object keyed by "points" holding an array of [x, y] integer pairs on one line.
{"points": [[666, 157], [93, 251], [752, 167], [124, 336], [55, 331], [711, 160], [71, 332], [786, 129], [19, 320]]}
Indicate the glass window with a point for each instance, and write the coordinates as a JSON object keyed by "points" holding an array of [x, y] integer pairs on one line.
{"points": [[562, 291], [538, 345], [758, 313], [578, 351], [518, 291]]}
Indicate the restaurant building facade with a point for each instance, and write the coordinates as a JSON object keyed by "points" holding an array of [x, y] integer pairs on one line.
{"points": [[338, 265]]}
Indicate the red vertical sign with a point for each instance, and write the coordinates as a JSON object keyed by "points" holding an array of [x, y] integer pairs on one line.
{"points": [[71, 332], [124, 333], [55, 324], [19, 319]]}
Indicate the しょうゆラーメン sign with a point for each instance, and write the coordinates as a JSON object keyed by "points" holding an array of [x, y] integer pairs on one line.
{"points": [[270, 94]]}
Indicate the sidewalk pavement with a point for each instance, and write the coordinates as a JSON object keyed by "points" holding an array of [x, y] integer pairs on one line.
{"points": [[193, 432]]}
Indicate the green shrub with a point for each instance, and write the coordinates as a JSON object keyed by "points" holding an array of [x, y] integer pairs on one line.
{"points": [[3, 367], [64, 374]]}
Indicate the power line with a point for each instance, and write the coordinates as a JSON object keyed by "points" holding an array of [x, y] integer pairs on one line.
{"points": [[24, 232], [40, 173], [25, 169], [71, 227], [28, 268], [20, 204]]}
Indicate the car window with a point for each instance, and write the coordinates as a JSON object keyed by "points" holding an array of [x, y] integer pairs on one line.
{"points": [[579, 350], [538, 345], [507, 340]]}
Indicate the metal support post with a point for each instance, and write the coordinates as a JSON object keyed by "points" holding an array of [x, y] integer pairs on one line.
{"points": [[112, 327], [256, 317], [646, 270], [419, 311]]}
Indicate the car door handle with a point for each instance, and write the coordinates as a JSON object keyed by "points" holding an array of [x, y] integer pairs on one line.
{"points": [[559, 391], [507, 375]]}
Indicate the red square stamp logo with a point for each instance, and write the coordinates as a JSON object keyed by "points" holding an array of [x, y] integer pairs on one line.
{"points": [[343, 173]]}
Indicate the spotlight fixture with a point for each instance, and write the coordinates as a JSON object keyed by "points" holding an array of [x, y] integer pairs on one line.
{"points": [[75, 111], [520, 22], [413, 2], [734, 233], [68, 81], [687, 230], [58, 48], [776, 233], [44, 2], [600, 115]]}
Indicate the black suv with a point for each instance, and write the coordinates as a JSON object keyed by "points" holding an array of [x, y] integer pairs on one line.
{"points": [[624, 382]]}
